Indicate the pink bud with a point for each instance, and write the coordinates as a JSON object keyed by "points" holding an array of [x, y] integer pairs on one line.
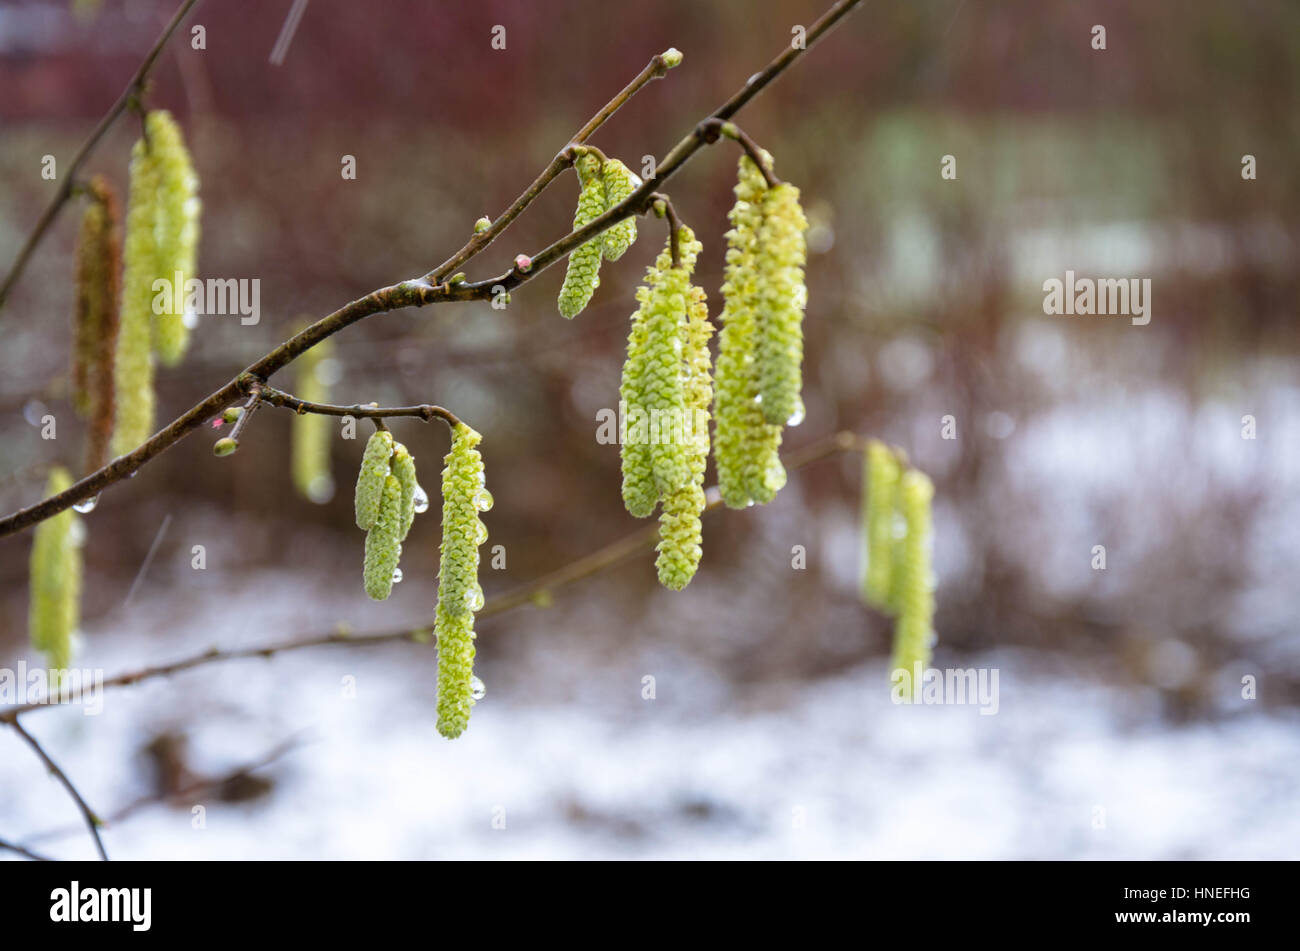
{"points": [[523, 263]]}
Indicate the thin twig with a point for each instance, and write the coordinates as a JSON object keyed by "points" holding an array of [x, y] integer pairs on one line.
{"points": [[424, 411], [198, 787], [738, 135], [24, 852], [655, 69], [413, 293], [65, 191], [584, 567], [663, 206], [92, 822]]}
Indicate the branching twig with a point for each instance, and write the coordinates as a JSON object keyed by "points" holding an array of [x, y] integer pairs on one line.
{"points": [[424, 411], [584, 567], [663, 207], [24, 852], [420, 291], [92, 821], [736, 134], [134, 89]]}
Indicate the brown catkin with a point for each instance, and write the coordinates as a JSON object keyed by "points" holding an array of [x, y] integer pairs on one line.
{"points": [[99, 262]]}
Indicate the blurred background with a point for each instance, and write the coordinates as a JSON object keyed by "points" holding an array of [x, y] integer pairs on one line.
{"points": [[1123, 728]]}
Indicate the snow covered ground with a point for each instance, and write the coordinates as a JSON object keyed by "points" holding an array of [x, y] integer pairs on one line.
{"points": [[833, 769]]}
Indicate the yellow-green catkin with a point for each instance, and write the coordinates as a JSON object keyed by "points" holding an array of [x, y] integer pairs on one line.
{"points": [[746, 446], [913, 629], [309, 445], [781, 297], [384, 542], [176, 231], [55, 607], [583, 275], [464, 496], [639, 493], [99, 262], [620, 182], [403, 467], [680, 535], [133, 366], [370, 480], [880, 474]]}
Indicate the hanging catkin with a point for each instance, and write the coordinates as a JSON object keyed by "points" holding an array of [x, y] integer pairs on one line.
{"points": [[880, 475], [680, 534], [176, 230], [913, 630], [746, 446], [384, 542], [639, 493], [55, 598], [133, 367], [583, 276], [309, 446], [99, 259], [620, 182], [781, 296], [464, 496], [403, 467], [371, 479]]}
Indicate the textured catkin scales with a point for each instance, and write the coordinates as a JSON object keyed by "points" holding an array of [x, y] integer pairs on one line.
{"points": [[464, 496], [384, 542], [639, 493], [583, 275], [55, 598], [880, 475], [370, 480], [176, 230], [746, 446], [99, 259], [913, 629], [780, 298], [133, 366], [403, 467], [309, 445], [680, 534], [619, 182]]}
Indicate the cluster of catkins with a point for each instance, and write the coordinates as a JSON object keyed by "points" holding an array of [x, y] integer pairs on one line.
{"points": [[605, 183], [162, 236], [669, 384], [898, 577], [55, 607], [117, 331], [386, 500]]}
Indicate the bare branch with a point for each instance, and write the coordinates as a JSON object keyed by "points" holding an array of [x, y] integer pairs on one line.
{"points": [[413, 293], [92, 821], [24, 852], [575, 571], [424, 411]]}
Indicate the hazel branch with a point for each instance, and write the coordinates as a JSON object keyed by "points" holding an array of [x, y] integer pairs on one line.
{"points": [[424, 411], [584, 567], [92, 821], [412, 293], [130, 97], [657, 68]]}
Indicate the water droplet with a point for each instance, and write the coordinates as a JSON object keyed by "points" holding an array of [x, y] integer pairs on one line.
{"points": [[421, 500], [474, 598], [483, 500], [477, 689], [797, 416], [481, 535], [321, 489], [87, 506], [397, 576]]}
